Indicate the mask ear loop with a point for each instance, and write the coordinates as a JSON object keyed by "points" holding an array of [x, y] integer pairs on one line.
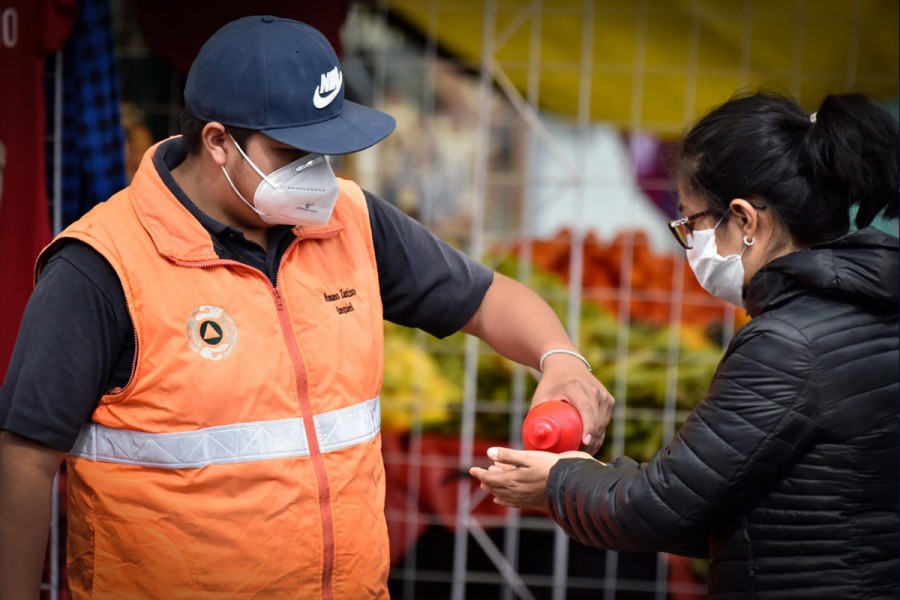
{"points": [[240, 195], [719, 222], [250, 162], [231, 183]]}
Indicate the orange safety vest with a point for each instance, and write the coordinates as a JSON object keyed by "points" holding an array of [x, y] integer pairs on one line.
{"points": [[243, 459]]}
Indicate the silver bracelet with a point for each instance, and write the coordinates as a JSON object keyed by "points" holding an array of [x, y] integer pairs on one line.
{"points": [[561, 351]]}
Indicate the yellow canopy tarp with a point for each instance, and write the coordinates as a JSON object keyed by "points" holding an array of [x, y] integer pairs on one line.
{"points": [[658, 64]]}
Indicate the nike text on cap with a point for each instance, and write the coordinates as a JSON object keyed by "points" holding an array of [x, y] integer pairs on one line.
{"points": [[280, 77]]}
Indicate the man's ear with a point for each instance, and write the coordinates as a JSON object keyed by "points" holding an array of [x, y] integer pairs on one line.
{"points": [[747, 216], [213, 138]]}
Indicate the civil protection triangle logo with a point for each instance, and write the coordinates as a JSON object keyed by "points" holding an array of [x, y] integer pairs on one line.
{"points": [[211, 332]]}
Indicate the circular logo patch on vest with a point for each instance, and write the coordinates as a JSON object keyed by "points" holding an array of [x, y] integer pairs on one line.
{"points": [[211, 332]]}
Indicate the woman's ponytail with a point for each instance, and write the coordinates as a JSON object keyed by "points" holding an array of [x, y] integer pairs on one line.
{"points": [[851, 152]]}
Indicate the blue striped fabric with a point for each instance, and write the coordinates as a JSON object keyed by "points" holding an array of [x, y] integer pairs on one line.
{"points": [[93, 150]]}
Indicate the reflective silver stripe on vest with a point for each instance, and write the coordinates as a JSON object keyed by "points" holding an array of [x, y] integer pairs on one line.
{"points": [[243, 442]]}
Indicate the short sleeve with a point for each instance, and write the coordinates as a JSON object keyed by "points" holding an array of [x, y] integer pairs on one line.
{"points": [[425, 283]]}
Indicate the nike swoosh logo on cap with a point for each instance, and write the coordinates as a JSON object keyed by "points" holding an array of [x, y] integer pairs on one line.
{"points": [[323, 101], [330, 86]]}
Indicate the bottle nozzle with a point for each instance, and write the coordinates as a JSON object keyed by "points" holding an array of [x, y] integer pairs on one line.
{"points": [[553, 426], [544, 434]]}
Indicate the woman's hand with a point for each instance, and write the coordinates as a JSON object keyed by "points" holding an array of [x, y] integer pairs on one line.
{"points": [[518, 478]]}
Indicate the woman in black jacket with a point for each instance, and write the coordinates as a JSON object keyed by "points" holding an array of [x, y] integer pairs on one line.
{"points": [[786, 475]]}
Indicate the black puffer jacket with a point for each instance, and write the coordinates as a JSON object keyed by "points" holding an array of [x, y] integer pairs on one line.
{"points": [[786, 475]]}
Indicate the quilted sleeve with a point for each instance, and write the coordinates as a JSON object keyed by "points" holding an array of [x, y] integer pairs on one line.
{"points": [[759, 415]]}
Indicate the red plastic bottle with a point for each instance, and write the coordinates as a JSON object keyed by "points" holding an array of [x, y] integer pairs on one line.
{"points": [[553, 426]]}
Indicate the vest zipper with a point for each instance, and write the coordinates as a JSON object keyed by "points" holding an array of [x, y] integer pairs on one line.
{"points": [[315, 454], [119, 389]]}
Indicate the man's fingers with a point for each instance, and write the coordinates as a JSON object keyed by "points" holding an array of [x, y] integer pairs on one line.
{"points": [[595, 407], [604, 408]]}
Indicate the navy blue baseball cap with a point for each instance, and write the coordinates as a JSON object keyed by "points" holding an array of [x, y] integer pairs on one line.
{"points": [[280, 77]]}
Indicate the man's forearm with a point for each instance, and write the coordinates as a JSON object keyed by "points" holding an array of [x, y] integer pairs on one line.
{"points": [[26, 480], [517, 323]]}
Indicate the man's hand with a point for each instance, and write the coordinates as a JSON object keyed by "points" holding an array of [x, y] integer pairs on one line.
{"points": [[520, 325], [566, 378], [518, 478]]}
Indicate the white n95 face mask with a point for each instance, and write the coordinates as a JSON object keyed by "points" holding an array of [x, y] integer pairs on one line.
{"points": [[721, 276], [302, 192]]}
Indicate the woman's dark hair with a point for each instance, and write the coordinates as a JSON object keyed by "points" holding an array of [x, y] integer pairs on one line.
{"points": [[191, 127], [810, 169]]}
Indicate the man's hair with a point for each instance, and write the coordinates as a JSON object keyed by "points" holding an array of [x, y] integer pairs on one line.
{"points": [[191, 127]]}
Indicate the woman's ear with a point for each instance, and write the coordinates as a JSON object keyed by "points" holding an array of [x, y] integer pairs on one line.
{"points": [[213, 139], [747, 217]]}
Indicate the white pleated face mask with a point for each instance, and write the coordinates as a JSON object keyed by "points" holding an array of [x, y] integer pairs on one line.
{"points": [[721, 276], [302, 192]]}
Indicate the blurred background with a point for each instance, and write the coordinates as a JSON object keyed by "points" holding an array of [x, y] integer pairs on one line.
{"points": [[534, 135]]}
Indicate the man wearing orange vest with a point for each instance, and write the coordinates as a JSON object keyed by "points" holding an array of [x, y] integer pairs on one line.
{"points": [[205, 348]]}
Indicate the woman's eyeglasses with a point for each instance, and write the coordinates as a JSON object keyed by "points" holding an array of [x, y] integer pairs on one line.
{"points": [[683, 230]]}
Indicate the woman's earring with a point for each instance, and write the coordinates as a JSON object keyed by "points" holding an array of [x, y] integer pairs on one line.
{"points": [[749, 242]]}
